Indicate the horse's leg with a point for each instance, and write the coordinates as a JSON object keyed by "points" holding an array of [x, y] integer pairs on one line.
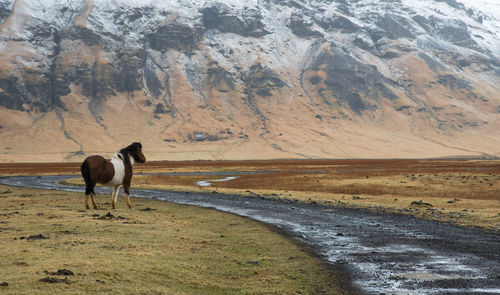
{"points": [[93, 201], [114, 195], [87, 202], [89, 192], [126, 190]]}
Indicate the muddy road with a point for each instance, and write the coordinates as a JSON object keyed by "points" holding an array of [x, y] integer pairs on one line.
{"points": [[382, 253]]}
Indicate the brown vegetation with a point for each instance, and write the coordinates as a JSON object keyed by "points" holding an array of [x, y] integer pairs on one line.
{"points": [[465, 192]]}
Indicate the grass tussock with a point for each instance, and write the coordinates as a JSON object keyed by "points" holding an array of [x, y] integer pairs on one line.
{"points": [[50, 246]]}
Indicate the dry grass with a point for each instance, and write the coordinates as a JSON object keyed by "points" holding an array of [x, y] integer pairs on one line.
{"points": [[186, 250], [422, 185], [461, 192], [170, 249], [464, 192]]}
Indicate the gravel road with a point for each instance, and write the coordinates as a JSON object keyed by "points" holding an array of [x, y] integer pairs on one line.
{"points": [[382, 253]]}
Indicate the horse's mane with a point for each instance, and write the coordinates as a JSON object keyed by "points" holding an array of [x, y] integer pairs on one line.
{"points": [[128, 151]]}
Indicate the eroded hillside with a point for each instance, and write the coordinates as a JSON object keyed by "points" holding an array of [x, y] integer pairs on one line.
{"points": [[261, 79]]}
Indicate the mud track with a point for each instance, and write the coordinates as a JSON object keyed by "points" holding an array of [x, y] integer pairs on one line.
{"points": [[383, 253]]}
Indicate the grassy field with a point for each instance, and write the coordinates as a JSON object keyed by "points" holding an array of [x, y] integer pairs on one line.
{"points": [[49, 245]]}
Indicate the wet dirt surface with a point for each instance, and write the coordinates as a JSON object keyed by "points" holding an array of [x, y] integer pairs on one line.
{"points": [[383, 253]]}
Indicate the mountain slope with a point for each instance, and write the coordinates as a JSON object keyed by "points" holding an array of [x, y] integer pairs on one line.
{"points": [[261, 79]]}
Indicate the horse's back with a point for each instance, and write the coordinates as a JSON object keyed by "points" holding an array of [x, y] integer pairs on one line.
{"points": [[97, 169], [94, 162]]}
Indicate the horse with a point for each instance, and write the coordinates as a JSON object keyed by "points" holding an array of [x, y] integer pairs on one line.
{"points": [[115, 172]]}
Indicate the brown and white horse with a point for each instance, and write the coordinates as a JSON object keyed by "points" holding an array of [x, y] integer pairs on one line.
{"points": [[115, 172]]}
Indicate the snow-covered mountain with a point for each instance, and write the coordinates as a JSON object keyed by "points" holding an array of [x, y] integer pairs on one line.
{"points": [[250, 79]]}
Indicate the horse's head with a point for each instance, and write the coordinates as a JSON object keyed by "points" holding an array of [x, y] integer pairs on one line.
{"points": [[135, 150]]}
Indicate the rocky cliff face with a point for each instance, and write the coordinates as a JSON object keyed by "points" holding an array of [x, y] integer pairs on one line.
{"points": [[259, 79]]}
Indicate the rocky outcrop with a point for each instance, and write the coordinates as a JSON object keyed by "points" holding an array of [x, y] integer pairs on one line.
{"points": [[338, 23], [301, 27], [175, 36], [223, 19], [5, 11], [261, 81], [219, 78], [347, 82], [395, 27], [455, 32]]}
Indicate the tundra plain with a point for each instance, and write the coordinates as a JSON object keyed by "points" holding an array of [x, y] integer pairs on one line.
{"points": [[462, 192]]}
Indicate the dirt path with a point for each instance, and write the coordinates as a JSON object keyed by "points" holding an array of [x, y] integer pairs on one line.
{"points": [[384, 253]]}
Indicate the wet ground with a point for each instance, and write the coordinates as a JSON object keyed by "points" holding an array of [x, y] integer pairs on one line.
{"points": [[382, 253]]}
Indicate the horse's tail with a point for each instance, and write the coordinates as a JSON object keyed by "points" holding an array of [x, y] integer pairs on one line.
{"points": [[85, 169]]}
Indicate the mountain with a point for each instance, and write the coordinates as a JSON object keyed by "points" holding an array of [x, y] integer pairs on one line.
{"points": [[249, 79]]}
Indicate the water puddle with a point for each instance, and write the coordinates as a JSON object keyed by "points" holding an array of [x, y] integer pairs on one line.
{"points": [[430, 276], [209, 182]]}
